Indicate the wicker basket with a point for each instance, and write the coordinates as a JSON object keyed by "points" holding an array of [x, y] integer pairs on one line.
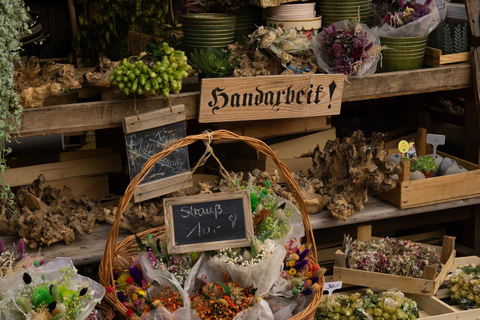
{"points": [[106, 310], [121, 254]]}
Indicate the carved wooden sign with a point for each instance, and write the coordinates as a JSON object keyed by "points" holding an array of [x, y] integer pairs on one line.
{"points": [[208, 222], [270, 97]]}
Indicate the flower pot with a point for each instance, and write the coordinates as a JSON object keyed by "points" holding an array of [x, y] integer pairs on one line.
{"points": [[249, 18], [337, 10], [428, 174], [402, 53], [208, 30]]}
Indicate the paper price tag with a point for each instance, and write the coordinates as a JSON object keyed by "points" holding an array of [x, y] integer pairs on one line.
{"points": [[332, 286]]}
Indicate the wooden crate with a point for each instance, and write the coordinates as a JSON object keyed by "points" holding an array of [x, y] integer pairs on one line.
{"points": [[430, 308], [427, 285], [434, 57], [411, 194]]}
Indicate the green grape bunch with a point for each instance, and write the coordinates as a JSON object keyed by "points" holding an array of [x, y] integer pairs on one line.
{"points": [[162, 73], [388, 305], [464, 286]]}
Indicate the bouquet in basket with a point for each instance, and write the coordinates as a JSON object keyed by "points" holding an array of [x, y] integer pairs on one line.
{"points": [[146, 298], [53, 292]]}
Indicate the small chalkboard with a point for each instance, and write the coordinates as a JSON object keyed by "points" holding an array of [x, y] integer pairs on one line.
{"points": [[146, 135], [208, 222]]}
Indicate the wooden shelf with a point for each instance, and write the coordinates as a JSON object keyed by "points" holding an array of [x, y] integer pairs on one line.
{"points": [[379, 210], [86, 249], [109, 114]]}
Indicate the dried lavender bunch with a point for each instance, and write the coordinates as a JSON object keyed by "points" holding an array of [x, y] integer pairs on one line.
{"points": [[392, 256]]}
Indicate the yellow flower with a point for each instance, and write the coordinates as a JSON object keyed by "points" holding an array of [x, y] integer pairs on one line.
{"points": [[292, 271], [290, 263], [309, 274], [134, 296], [140, 292]]}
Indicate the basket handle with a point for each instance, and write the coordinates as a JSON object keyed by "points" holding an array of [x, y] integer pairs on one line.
{"points": [[106, 264]]}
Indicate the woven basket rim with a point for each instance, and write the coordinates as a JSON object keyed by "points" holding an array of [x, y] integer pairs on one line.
{"points": [[106, 265]]}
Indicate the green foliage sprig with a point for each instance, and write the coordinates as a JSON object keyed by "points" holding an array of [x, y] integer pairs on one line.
{"points": [[213, 63], [13, 18], [425, 163]]}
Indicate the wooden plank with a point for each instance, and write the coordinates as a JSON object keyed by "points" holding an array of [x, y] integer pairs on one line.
{"points": [[378, 210], [295, 148], [364, 233], [84, 154], [95, 187], [97, 115], [153, 119], [274, 128], [163, 186], [405, 175], [473, 12], [63, 170], [270, 97], [447, 248], [434, 57], [400, 83], [86, 249]]}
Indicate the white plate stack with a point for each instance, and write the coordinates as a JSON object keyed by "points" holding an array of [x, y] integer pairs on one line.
{"points": [[297, 11], [441, 5], [457, 11]]}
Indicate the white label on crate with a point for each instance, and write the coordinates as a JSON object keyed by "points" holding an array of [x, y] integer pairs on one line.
{"points": [[332, 286]]}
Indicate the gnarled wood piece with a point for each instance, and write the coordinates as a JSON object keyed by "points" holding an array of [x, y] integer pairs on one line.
{"points": [[46, 215], [349, 170]]}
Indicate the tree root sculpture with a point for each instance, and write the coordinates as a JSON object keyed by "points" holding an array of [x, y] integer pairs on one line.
{"points": [[46, 215], [349, 170]]}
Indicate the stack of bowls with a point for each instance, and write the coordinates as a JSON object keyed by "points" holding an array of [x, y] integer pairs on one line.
{"points": [[337, 10], [249, 18], [402, 53], [301, 16], [208, 30]]}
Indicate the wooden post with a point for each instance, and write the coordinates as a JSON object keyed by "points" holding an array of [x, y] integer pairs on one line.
{"points": [[429, 272], [340, 259], [364, 233], [405, 175], [421, 142], [447, 248]]}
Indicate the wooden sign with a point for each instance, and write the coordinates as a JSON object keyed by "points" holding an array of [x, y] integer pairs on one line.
{"points": [[270, 97], [146, 135], [208, 222]]}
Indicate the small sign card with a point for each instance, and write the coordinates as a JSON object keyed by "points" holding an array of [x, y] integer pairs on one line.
{"points": [[332, 286], [208, 222], [146, 135], [435, 140], [270, 97]]}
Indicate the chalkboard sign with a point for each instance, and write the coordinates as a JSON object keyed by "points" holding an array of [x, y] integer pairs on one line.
{"points": [[145, 136], [208, 222], [142, 145]]}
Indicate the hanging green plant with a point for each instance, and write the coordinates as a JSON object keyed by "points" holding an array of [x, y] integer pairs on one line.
{"points": [[13, 18]]}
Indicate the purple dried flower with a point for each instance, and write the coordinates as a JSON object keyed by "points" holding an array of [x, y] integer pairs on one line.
{"points": [[300, 265], [121, 296], [334, 29], [308, 292], [428, 2], [136, 274], [401, 3], [369, 46], [21, 246], [314, 279], [302, 255], [2, 246], [42, 262]]}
